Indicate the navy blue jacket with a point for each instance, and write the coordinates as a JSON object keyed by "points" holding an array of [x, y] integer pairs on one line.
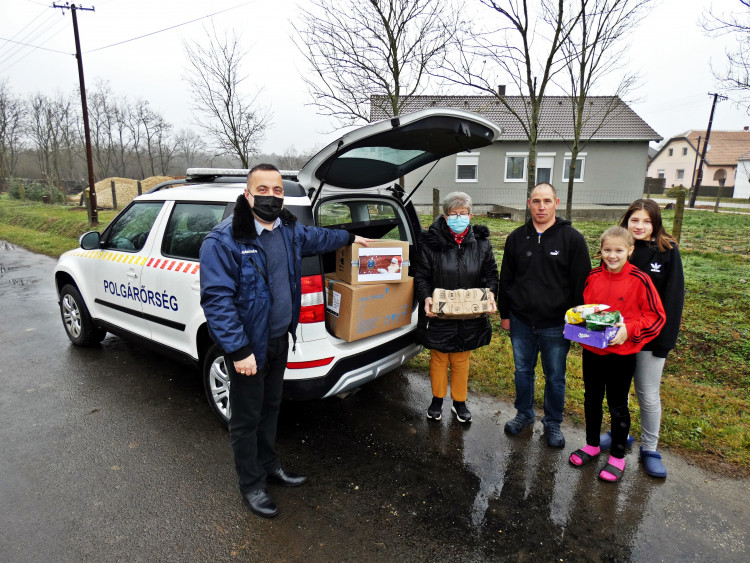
{"points": [[235, 294]]}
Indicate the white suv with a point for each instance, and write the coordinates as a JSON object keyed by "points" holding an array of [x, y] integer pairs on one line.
{"points": [[139, 278]]}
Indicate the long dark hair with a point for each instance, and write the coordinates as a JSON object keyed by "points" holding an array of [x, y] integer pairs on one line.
{"points": [[663, 239]]}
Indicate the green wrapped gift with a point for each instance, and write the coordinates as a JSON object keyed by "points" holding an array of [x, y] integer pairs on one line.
{"points": [[599, 321]]}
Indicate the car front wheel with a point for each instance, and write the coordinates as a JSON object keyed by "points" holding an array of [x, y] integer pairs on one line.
{"points": [[216, 383], [77, 321]]}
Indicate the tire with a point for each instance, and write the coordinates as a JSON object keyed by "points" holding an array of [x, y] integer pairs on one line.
{"points": [[216, 383], [76, 319]]}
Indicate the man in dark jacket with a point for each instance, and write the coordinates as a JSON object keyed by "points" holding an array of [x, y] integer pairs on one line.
{"points": [[251, 296], [544, 267]]}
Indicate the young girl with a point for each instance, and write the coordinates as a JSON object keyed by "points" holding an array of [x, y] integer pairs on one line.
{"points": [[656, 253], [627, 289]]}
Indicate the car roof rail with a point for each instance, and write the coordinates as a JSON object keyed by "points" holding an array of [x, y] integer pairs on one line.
{"points": [[212, 174], [164, 185]]}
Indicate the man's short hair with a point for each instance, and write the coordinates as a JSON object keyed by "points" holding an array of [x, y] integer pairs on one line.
{"points": [[264, 167], [544, 185]]}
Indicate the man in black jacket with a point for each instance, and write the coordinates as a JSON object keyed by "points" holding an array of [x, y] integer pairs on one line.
{"points": [[544, 267]]}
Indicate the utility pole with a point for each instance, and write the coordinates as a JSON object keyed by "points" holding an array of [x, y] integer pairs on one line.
{"points": [[699, 174], [93, 214]]}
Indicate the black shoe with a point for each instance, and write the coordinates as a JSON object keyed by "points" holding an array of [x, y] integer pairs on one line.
{"points": [[554, 435], [286, 479], [461, 412], [517, 425], [435, 412], [261, 504]]}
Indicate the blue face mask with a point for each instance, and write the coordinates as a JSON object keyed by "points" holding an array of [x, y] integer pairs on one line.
{"points": [[457, 223]]}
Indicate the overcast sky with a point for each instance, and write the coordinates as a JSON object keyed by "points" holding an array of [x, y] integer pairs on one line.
{"points": [[669, 49]]}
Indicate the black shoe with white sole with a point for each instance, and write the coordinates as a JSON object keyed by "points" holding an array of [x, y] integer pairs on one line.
{"points": [[435, 412], [461, 412]]}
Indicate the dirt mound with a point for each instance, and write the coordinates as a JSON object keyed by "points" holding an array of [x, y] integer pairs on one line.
{"points": [[125, 188]]}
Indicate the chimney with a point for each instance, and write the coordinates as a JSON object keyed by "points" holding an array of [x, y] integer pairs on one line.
{"points": [[501, 89]]}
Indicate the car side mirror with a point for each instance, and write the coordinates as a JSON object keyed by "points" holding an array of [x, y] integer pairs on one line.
{"points": [[89, 240]]}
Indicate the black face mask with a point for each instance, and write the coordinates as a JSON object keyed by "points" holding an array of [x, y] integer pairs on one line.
{"points": [[267, 207]]}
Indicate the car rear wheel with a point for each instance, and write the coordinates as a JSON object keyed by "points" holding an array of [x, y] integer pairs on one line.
{"points": [[77, 321], [216, 383]]}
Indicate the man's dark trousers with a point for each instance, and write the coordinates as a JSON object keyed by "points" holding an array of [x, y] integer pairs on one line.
{"points": [[255, 401]]}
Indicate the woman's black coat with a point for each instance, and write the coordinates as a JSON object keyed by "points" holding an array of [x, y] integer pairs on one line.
{"points": [[442, 263]]}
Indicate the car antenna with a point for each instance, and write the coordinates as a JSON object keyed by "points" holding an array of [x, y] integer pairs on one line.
{"points": [[325, 175], [411, 193]]}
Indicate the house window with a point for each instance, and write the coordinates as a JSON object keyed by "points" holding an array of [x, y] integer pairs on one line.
{"points": [[671, 152], [660, 174], [544, 165], [684, 151], [680, 174], [467, 167], [515, 167], [580, 165]]}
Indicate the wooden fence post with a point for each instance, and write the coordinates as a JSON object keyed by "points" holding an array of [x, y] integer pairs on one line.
{"points": [[140, 191], [114, 194], [435, 203], [718, 199], [679, 212]]}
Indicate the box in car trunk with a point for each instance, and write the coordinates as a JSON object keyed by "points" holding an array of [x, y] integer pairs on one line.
{"points": [[355, 311], [381, 261]]}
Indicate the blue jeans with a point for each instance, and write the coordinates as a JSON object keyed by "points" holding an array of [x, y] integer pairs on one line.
{"points": [[527, 343]]}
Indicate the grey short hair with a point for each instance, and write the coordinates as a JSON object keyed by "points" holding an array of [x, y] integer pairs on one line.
{"points": [[454, 200]]}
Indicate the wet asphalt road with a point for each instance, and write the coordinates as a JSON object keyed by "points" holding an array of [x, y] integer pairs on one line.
{"points": [[112, 454]]}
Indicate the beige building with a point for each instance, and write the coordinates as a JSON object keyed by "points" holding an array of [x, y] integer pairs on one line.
{"points": [[678, 158]]}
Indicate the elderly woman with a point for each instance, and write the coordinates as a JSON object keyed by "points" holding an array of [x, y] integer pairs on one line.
{"points": [[453, 254]]}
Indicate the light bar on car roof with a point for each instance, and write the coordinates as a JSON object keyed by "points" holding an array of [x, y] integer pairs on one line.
{"points": [[215, 172]]}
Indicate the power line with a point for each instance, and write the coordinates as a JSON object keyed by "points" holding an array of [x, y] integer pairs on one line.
{"points": [[40, 28], [168, 28], [35, 46], [16, 52]]}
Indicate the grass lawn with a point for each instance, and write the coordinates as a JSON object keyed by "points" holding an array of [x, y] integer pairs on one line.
{"points": [[706, 388]]}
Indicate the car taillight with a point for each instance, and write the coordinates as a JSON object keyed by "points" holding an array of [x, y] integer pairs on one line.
{"points": [[313, 310], [310, 364]]}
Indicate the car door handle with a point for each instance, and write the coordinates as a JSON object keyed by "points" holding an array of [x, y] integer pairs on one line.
{"points": [[133, 275], [196, 286]]}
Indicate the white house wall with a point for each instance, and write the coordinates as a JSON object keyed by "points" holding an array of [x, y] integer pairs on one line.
{"points": [[614, 173], [742, 181]]}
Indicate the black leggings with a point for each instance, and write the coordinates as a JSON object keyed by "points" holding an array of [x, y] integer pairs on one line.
{"points": [[610, 374]]}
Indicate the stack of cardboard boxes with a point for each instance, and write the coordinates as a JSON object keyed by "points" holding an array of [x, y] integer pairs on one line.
{"points": [[370, 292]]}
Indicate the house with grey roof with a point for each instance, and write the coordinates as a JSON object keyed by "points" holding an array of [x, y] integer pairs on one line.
{"points": [[611, 168]]}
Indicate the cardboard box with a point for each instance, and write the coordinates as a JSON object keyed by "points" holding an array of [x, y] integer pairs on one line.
{"points": [[358, 311], [382, 261], [594, 338], [461, 303]]}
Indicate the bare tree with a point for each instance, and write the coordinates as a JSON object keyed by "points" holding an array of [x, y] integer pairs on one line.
{"points": [[12, 120], [135, 116], [101, 108], [516, 49], [736, 24], [189, 146], [590, 54], [292, 159], [40, 123], [360, 48], [232, 119]]}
